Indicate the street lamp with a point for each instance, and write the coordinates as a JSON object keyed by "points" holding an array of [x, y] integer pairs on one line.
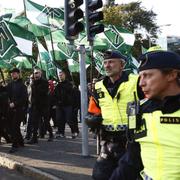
{"points": [[151, 29]]}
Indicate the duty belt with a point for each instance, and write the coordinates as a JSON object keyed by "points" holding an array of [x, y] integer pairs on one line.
{"points": [[115, 128]]}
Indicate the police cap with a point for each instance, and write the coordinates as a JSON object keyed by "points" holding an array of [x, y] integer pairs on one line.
{"points": [[159, 60], [15, 70], [114, 55]]}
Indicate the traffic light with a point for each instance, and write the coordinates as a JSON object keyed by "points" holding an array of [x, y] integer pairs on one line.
{"points": [[93, 16], [72, 15]]}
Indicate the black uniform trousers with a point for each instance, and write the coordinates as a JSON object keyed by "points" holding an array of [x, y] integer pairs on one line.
{"points": [[130, 164], [113, 147]]}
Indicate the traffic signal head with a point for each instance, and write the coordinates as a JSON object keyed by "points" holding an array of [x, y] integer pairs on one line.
{"points": [[93, 16], [72, 15]]}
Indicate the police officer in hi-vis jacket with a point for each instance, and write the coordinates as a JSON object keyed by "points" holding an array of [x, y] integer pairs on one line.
{"points": [[160, 148], [107, 108]]}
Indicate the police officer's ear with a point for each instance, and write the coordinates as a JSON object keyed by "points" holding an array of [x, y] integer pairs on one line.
{"points": [[173, 75], [178, 78]]}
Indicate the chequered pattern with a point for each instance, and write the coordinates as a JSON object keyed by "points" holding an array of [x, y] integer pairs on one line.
{"points": [[117, 128]]}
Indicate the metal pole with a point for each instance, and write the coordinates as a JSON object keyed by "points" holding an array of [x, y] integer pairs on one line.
{"points": [[149, 40], [84, 102]]}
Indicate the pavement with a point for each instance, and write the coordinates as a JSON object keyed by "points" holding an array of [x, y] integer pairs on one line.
{"points": [[60, 159]]}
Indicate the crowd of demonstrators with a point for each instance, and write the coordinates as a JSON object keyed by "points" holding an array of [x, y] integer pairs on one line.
{"points": [[39, 101], [66, 98], [107, 111]]}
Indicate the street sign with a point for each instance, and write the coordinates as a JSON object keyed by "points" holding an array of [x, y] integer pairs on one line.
{"points": [[6, 39]]}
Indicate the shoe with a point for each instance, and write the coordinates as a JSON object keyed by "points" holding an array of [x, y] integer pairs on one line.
{"points": [[42, 136], [50, 139], [57, 132], [32, 141], [27, 137], [13, 150], [21, 145], [74, 135], [60, 136]]}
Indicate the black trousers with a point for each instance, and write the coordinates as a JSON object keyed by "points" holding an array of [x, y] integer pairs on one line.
{"points": [[63, 116], [37, 115], [75, 120], [15, 119]]}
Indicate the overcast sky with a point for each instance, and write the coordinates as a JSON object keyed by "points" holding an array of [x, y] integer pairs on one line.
{"points": [[168, 11]]}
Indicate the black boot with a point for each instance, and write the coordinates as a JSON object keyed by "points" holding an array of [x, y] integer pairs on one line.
{"points": [[13, 150], [34, 140], [51, 137]]}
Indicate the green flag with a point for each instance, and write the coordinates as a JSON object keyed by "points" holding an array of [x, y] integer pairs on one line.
{"points": [[26, 24], [98, 59], [44, 15], [73, 65], [23, 62], [23, 39], [7, 42], [119, 39], [5, 65], [58, 46]]}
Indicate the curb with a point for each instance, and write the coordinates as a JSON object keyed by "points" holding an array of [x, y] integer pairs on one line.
{"points": [[7, 162]]}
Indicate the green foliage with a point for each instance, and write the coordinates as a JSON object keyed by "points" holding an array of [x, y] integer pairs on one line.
{"points": [[132, 16]]}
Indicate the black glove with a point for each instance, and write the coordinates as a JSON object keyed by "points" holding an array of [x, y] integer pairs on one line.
{"points": [[94, 122]]}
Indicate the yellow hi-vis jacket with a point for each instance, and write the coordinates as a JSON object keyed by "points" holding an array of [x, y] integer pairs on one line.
{"points": [[113, 110], [160, 149]]}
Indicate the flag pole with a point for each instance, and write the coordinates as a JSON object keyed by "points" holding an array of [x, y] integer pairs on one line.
{"points": [[2, 75], [52, 45], [24, 8]]}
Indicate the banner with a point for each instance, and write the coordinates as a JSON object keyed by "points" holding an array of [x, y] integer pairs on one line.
{"points": [[44, 15]]}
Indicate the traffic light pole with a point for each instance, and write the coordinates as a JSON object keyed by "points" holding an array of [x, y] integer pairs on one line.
{"points": [[84, 99]]}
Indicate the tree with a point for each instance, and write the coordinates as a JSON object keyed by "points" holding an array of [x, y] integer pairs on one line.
{"points": [[133, 17]]}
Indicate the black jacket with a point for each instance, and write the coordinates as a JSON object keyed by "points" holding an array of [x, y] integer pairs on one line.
{"points": [[64, 94], [169, 104], [3, 101], [40, 93], [17, 93]]}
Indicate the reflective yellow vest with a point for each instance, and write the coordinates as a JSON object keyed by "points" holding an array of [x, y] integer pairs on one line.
{"points": [[113, 110], [160, 149]]}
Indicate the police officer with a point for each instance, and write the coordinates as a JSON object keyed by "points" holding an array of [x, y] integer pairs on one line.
{"points": [[18, 97], [109, 104], [160, 148]]}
